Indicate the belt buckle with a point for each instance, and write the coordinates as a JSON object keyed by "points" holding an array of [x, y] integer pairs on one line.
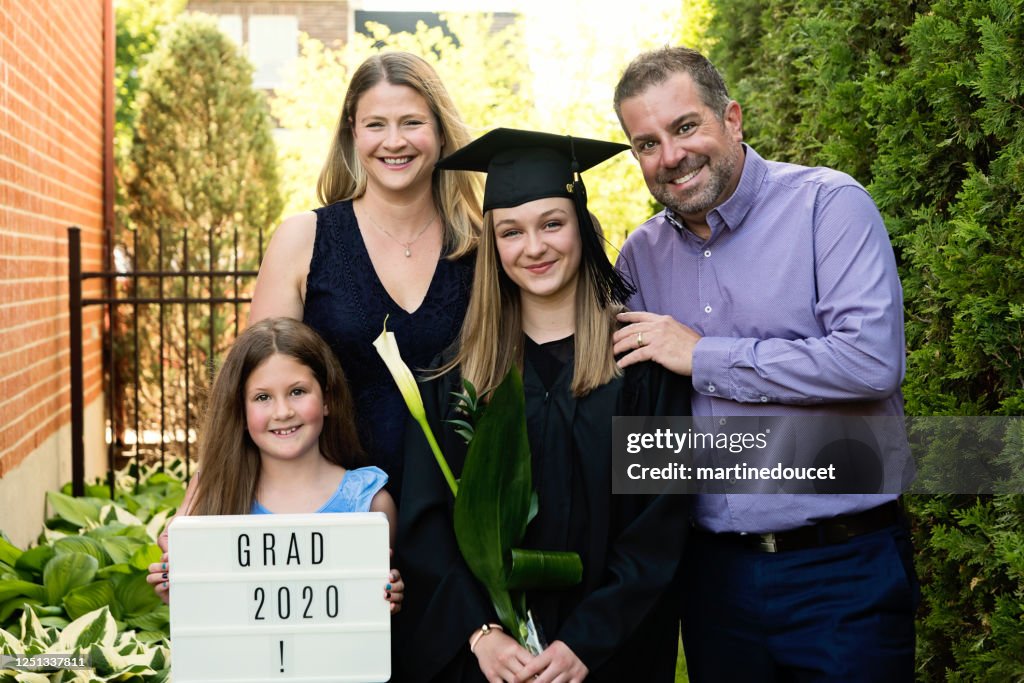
{"points": [[766, 543]]}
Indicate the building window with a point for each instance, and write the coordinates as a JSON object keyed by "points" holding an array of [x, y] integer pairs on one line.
{"points": [[273, 48]]}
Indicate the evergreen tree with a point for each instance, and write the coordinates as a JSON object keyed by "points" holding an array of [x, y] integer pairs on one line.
{"points": [[201, 190]]}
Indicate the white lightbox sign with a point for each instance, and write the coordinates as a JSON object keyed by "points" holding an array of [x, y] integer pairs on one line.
{"points": [[262, 598]]}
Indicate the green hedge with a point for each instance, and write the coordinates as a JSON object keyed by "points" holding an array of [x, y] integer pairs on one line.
{"points": [[923, 103]]}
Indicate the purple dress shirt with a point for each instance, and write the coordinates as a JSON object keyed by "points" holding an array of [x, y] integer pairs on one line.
{"points": [[799, 304]]}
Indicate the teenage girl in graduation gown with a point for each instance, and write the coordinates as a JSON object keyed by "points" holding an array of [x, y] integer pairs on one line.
{"points": [[544, 299]]}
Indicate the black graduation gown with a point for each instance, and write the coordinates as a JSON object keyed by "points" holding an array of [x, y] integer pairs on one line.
{"points": [[620, 621]]}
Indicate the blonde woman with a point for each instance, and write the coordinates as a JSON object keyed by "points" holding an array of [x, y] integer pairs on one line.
{"points": [[544, 300], [392, 240]]}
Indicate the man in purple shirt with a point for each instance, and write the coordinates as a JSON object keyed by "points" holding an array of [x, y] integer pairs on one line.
{"points": [[775, 287]]}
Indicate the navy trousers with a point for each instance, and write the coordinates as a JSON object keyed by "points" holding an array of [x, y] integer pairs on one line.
{"points": [[841, 612]]}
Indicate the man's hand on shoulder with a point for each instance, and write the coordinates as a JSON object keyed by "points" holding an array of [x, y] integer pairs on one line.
{"points": [[660, 338]]}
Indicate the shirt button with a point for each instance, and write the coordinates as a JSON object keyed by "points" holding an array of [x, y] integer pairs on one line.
{"points": [[764, 399], [707, 253], [707, 309], [711, 388], [722, 421]]}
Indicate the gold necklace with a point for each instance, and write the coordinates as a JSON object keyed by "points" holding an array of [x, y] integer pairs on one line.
{"points": [[407, 245]]}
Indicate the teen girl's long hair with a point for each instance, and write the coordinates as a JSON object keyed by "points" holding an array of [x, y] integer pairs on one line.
{"points": [[229, 461], [492, 339], [456, 194]]}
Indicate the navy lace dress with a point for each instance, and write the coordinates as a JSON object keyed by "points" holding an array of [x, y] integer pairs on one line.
{"points": [[347, 303]]}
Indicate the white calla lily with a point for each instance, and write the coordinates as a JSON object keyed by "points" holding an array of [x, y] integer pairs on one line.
{"points": [[387, 348]]}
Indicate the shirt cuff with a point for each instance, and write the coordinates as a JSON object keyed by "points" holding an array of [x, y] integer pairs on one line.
{"points": [[711, 365]]}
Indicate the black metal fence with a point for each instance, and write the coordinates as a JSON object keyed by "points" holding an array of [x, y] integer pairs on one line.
{"points": [[164, 329]]}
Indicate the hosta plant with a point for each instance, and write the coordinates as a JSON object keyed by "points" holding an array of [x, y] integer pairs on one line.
{"points": [[113, 656]]}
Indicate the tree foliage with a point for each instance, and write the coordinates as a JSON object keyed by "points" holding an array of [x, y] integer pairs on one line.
{"points": [[523, 75], [201, 190], [922, 102]]}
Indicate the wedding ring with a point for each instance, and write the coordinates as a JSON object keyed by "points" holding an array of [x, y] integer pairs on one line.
{"points": [[639, 339]]}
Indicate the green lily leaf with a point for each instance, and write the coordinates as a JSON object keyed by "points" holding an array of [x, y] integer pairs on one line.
{"points": [[34, 559], [493, 503], [11, 588], [31, 677], [80, 512], [83, 544], [89, 597], [95, 627], [9, 553], [65, 572], [544, 569]]}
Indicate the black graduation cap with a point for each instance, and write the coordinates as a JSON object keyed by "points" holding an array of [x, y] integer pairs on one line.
{"points": [[524, 165]]}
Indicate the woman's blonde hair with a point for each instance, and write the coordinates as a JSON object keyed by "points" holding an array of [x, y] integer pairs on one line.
{"points": [[456, 194], [492, 339], [228, 458]]}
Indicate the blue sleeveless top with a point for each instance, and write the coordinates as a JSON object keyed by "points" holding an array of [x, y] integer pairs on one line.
{"points": [[356, 490], [347, 303]]}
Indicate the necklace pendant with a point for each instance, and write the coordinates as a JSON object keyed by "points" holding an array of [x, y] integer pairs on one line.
{"points": [[408, 252]]}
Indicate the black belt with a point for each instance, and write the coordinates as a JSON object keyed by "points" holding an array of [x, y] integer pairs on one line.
{"points": [[830, 531]]}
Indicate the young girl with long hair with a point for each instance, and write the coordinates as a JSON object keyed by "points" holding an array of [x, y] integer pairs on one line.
{"points": [[544, 300], [278, 437]]}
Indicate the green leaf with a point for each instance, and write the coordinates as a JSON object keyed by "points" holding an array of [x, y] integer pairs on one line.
{"points": [[31, 629], [157, 619], [34, 559], [115, 513], [88, 598], [11, 588], [493, 502], [121, 548], [14, 604], [9, 553], [156, 523], [54, 621], [85, 545], [9, 645], [544, 569], [135, 596], [65, 572], [95, 627], [107, 572], [80, 512], [146, 555]]}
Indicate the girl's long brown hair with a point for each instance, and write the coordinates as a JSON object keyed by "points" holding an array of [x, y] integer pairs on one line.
{"points": [[228, 459]]}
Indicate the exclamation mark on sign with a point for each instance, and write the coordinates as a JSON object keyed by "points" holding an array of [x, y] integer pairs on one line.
{"points": [[280, 647]]}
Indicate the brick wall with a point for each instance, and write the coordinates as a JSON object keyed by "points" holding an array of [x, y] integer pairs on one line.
{"points": [[325, 20], [51, 176]]}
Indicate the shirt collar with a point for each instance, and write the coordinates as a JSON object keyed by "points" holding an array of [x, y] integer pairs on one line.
{"points": [[734, 209]]}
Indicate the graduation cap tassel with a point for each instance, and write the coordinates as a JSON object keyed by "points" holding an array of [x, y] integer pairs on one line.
{"points": [[612, 288]]}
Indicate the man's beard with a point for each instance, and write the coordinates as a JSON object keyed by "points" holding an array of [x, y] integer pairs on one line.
{"points": [[703, 198]]}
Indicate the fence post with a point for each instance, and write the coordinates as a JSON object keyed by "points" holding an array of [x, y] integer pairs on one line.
{"points": [[77, 398]]}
